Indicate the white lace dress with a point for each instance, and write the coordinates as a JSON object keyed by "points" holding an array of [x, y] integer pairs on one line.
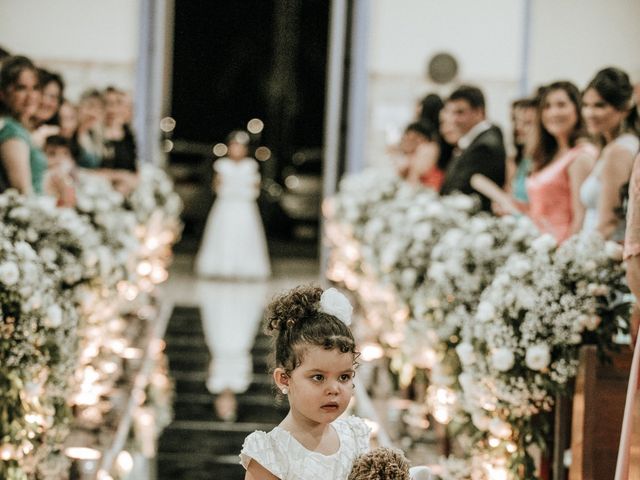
{"points": [[287, 459], [234, 245]]}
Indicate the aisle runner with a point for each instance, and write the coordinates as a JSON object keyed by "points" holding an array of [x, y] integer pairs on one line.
{"points": [[197, 445]]}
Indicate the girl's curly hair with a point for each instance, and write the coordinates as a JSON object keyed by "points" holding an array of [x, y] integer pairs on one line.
{"points": [[294, 321], [381, 463]]}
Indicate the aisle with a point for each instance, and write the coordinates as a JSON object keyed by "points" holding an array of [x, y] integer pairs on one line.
{"points": [[198, 444]]}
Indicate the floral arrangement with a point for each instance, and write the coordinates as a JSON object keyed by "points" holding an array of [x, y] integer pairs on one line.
{"points": [[65, 286], [494, 313], [522, 349]]}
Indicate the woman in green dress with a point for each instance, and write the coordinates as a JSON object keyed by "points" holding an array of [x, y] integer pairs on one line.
{"points": [[22, 164]]}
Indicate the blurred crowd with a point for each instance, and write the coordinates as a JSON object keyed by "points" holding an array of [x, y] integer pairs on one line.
{"points": [[45, 139], [570, 156]]}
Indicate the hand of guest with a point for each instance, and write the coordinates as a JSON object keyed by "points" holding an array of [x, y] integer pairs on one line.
{"points": [[40, 134]]}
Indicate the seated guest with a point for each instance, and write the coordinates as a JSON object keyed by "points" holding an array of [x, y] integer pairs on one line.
{"points": [[481, 147], [45, 120], [119, 142], [420, 149], [611, 119], [562, 160], [59, 180], [89, 132], [22, 163], [523, 116]]}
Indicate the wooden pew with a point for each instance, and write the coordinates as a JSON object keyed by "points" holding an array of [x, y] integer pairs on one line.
{"points": [[598, 407]]}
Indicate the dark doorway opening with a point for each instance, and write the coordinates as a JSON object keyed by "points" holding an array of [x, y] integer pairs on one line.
{"points": [[239, 60]]}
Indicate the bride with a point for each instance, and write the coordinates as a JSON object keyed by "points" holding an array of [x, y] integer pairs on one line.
{"points": [[234, 245]]}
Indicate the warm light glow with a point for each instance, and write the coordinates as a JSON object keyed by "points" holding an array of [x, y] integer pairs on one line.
{"points": [[132, 353], [124, 462], [494, 442], [7, 452], [82, 453], [144, 268], [511, 447], [441, 414], [220, 149], [167, 145], [255, 125], [102, 475], [167, 124], [371, 351], [263, 154], [497, 472], [292, 182]]}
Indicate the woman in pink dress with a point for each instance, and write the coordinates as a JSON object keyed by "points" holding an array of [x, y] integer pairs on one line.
{"points": [[562, 160]]}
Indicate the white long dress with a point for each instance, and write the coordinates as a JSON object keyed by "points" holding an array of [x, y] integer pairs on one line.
{"points": [[234, 243]]}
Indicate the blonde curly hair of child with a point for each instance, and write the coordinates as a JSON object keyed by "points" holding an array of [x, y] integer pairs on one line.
{"points": [[381, 463]]}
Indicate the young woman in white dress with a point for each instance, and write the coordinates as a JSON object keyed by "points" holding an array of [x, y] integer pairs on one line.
{"points": [[234, 244], [611, 118]]}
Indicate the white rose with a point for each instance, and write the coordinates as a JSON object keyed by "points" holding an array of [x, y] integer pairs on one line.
{"points": [[434, 209], [544, 243], [332, 302], [483, 241], [24, 250], [613, 250], [465, 353], [409, 276], [466, 381], [480, 420], [48, 255], [520, 267], [9, 273], [538, 356], [53, 319], [486, 311], [502, 359], [499, 429], [423, 231]]}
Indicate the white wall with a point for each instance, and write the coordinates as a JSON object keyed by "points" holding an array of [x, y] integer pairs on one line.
{"points": [[569, 39], [575, 38], [485, 37], [91, 42]]}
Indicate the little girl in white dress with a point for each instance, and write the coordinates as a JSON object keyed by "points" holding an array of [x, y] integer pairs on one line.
{"points": [[234, 244], [315, 357]]}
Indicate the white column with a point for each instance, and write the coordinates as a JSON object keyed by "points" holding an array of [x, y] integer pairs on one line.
{"points": [[153, 77], [526, 49], [358, 81], [333, 112]]}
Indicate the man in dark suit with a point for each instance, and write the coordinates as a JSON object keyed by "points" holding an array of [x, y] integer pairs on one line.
{"points": [[481, 147]]}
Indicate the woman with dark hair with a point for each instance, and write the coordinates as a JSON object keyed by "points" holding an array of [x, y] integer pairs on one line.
{"points": [[612, 119], [119, 142], [22, 164], [420, 150], [52, 88], [561, 161], [45, 121]]}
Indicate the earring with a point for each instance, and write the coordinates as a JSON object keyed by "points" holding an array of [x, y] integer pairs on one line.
{"points": [[285, 390]]}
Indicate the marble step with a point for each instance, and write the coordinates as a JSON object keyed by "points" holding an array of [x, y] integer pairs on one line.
{"points": [[251, 408], [194, 382], [207, 437], [180, 466]]}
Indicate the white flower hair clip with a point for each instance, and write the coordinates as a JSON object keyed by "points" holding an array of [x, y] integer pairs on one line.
{"points": [[332, 302]]}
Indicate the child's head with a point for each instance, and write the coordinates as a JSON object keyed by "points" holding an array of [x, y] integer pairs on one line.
{"points": [[238, 144], [315, 352], [380, 464], [58, 152]]}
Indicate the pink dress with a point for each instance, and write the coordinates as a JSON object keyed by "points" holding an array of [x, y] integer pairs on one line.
{"points": [[549, 190], [632, 234]]}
